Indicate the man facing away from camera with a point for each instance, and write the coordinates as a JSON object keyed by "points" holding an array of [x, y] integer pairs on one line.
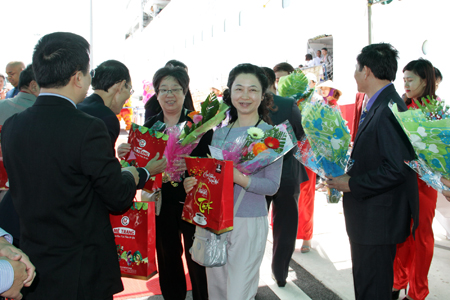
{"points": [[68, 179]]}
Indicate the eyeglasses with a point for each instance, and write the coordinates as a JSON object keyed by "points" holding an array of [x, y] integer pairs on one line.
{"points": [[130, 88], [173, 91]]}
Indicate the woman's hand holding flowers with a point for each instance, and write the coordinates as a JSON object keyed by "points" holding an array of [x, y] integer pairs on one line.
{"points": [[240, 178], [180, 163]]}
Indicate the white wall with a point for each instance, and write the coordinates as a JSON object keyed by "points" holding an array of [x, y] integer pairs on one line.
{"points": [[406, 25], [270, 34]]}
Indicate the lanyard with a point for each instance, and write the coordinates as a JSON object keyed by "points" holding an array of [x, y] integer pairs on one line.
{"points": [[259, 120]]}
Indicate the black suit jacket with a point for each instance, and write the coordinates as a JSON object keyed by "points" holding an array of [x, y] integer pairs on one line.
{"points": [[94, 106], [384, 194], [64, 180], [293, 172]]}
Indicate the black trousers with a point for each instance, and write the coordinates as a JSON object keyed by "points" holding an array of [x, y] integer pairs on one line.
{"points": [[373, 271], [285, 222], [169, 249]]}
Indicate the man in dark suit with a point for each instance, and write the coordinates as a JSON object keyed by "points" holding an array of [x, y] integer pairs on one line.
{"points": [[285, 201], [380, 190], [111, 82], [64, 179]]}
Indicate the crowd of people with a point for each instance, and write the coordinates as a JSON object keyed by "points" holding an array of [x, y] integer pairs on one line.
{"points": [[59, 150], [322, 58]]}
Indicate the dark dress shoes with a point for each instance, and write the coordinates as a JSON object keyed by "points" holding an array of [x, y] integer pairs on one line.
{"points": [[279, 283], [396, 294]]}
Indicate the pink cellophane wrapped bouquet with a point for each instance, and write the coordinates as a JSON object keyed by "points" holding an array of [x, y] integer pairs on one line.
{"points": [[258, 148], [184, 137]]}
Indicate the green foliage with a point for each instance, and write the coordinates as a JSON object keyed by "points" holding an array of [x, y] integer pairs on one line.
{"points": [[212, 112], [124, 164], [293, 85], [433, 108], [138, 205]]}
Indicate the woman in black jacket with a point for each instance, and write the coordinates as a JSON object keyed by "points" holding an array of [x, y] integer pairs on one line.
{"points": [[171, 86]]}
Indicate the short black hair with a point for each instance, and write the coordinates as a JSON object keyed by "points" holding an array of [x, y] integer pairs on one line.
{"points": [[109, 73], [58, 56], [284, 66], [438, 74], [25, 77], [270, 74], [381, 59], [266, 103], [178, 73], [326, 49], [308, 56]]}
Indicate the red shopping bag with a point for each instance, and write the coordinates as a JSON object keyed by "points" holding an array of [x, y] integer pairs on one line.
{"points": [[210, 203], [145, 143], [134, 232], [3, 175]]}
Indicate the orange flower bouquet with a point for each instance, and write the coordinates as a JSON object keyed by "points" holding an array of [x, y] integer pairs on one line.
{"points": [[258, 149]]}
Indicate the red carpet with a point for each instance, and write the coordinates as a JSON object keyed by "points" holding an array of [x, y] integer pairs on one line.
{"points": [[136, 288]]}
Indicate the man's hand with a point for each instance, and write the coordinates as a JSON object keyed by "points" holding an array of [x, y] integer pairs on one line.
{"points": [[446, 193], [339, 183], [156, 166], [133, 171], [189, 184], [20, 276], [9, 251], [123, 149]]}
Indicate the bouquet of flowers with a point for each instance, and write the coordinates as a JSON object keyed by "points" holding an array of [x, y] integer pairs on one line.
{"points": [[428, 129], [184, 137], [295, 85], [258, 148], [149, 91], [325, 148]]}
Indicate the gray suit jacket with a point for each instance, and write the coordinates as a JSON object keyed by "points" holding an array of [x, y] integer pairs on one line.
{"points": [[15, 105]]}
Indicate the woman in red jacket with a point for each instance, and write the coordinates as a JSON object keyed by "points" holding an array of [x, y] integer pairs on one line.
{"points": [[413, 258]]}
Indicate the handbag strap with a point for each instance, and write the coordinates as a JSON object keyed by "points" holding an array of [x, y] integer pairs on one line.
{"points": [[239, 200]]}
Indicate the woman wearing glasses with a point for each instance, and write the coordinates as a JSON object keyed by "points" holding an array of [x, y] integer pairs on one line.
{"points": [[171, 85], [152, 107]]}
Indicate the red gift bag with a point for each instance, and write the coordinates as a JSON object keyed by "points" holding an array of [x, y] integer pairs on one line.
{"points": [[135, 236], [145, 143], [210, 203], [3, 175]]}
